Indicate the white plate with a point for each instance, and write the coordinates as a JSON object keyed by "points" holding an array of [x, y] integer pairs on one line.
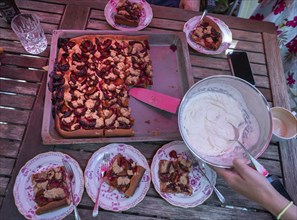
{"points": [[112, 199], [145, 19], [202, 190], [191, 24], [23, 189]]}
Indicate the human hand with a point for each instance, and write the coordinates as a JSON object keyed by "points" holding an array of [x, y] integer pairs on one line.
{"points": [[193, 5], [251, 184], [246, 181]]}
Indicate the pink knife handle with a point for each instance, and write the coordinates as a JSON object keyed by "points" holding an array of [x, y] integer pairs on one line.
{"points": [[96, 206]]}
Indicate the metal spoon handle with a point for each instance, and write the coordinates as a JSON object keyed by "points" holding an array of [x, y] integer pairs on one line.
{"points": [[259, 167], [202, 17], [218, 193], [76, 215]]}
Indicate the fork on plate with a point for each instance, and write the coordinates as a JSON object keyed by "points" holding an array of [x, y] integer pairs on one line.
{"points": [[103, 169], [70, 174]]}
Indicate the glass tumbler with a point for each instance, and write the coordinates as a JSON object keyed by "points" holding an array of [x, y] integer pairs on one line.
{"points": [[28, 29]]}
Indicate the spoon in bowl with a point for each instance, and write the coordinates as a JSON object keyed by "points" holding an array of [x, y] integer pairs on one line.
{"points": [[259, 167]]}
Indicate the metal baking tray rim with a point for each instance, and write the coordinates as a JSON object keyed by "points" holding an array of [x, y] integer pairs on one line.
{"points": [[184, 64]]}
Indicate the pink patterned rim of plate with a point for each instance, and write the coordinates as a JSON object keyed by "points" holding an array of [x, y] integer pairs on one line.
{"points": [[145, 19], [226, 34], [112, 199], [202, 190], [23, 189]]}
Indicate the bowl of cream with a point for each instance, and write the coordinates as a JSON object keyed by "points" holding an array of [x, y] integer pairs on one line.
{"points": [[209, 111]]}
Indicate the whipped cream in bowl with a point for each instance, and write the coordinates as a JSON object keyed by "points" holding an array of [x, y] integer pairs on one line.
{"points": [[210, 108]]}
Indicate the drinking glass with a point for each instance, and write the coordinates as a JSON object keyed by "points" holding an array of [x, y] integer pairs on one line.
{"points": [[28, 29]]}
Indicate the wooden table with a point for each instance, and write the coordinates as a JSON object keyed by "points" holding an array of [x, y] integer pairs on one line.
{"points": [[22, 90]]}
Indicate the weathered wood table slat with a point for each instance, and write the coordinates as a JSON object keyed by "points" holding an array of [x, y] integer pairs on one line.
{"points": [[22, 90]]}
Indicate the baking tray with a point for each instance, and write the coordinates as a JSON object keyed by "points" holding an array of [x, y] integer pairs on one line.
{"points": [[172, 76]]}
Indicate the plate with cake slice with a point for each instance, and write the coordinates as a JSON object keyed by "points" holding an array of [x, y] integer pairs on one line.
{"points": [[126, 181], [41, 189], [210, 36], [128, 15], [177, 177]]}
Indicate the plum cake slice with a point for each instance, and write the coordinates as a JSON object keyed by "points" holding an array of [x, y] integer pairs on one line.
{"points": [[128, 13], [174, 176], [124, 175], [50, 189]]}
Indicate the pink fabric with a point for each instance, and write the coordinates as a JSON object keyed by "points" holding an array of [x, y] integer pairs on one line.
{"points": [[283, 14]]}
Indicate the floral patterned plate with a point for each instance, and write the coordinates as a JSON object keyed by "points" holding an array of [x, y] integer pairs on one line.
{"points": [[23, 189], [191, 24], [202, 190], [112, 199], [145, 19]]}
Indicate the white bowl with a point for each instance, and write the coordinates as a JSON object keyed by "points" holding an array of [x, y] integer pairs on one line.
{"points": [[210, 107]]}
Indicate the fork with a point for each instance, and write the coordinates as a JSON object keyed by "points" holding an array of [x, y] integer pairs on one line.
{"points": [[70, 174], [103, 169]]}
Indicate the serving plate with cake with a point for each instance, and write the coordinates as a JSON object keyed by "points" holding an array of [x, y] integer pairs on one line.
{"points": [[126, 181], [128, 15], [209, 36], [41, 189], [177, 176]]}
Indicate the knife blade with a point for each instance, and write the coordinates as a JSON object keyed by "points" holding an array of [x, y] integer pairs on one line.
{"points": [[156, 99]]}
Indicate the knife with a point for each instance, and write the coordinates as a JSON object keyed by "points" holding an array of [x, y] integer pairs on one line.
{"points": [[156, 99], [277, 184]]}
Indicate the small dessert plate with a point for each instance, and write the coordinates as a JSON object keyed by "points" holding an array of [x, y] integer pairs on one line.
{"points": [[191, 24], [23, 188], [145, 19], [112, 199], [202, 190]]}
